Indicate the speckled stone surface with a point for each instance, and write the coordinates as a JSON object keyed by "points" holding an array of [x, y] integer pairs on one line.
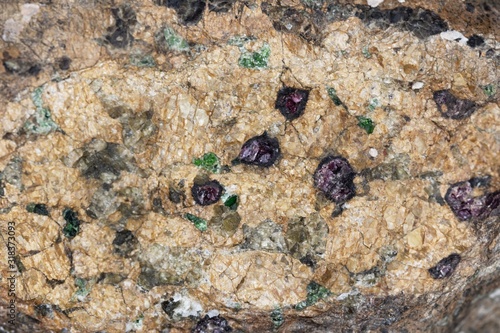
{"points": [[114, 112]]}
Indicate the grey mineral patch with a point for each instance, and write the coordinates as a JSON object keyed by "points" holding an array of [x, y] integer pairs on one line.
{"points": [[306, 238], [395, 169], [125, 243], [225, 221], [12, 173], [132, 202], [267, 236], [371, 277], [129, 202], [104, 203], [163, 265], [138, 130], [176, 192], [111, 278], [104, 160]]}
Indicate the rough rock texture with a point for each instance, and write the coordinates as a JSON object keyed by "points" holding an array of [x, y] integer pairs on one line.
{"points": [[112, 110]]}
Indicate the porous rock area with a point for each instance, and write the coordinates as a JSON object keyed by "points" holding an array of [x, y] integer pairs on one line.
{"points": [[115, 113]]}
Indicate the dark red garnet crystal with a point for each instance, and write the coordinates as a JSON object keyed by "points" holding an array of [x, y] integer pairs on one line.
{"points": [[445, 267], [466, 206], [291, 102], [207, 192], [462, 202], [335, 178], [260, 150]]}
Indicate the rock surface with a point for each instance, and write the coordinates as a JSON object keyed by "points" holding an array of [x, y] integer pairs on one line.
{"points": [[113, 110]]}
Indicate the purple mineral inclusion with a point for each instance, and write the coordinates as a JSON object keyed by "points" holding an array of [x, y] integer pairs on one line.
{"points": [[445, 267], [260, 150], [207, 193], [335, 178], [291, 102], [453, 107], [216, 324], [466, 206]]}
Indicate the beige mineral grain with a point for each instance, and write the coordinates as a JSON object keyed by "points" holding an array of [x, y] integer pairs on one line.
{"points": [[52, 262], [259, 278]]}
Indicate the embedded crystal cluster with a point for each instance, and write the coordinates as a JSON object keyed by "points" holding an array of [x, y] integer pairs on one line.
{"points": [[260, 150], [334, 177], [465, 205]]}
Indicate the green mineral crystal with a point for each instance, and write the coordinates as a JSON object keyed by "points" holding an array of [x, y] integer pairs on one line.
{"points": [[256, 60], [366, 123], [198, 222], [315, 292], [209, 162], [332, 93]]}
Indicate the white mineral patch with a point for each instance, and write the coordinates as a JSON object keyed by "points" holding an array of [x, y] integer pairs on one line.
{"points": [[417, 85], [213, 313], [495, 293], [454, 35], [11, 30], [134, 325], [336, 41], [187, 306], [373, 152], [374, 3], [13, 26]]}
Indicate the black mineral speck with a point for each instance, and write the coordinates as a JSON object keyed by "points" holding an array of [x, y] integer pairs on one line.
{"points": [[445, 267], [260, 150], [157, 203], [207, 192], [220, 6], [189, 12], [34, 70], [72, 226], [64, 62], [291, 102], [125, 242], [215, 324], [491, 205], [176, 194], [70, 216], [399, 14], [469, 7], [308, 260], [40, 209], [426, 23], [169, 306], [120, 35], [483, 181], [422, 22], [475, 41], [44, 310], [335, 178], [453, 107]]}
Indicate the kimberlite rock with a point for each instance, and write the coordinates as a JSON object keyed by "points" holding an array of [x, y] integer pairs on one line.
{"points": [[250, 166]]}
